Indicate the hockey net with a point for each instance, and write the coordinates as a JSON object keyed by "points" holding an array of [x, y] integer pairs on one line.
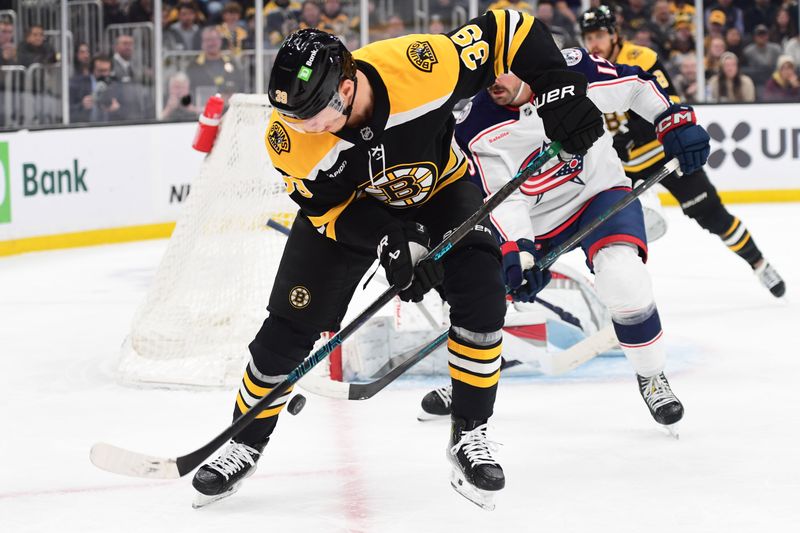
{"points": [[209, 295]]}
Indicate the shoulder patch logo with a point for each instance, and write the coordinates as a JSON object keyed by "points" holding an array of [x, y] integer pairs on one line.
{"points": [[278, 138], [421, 55], [572, 56]]}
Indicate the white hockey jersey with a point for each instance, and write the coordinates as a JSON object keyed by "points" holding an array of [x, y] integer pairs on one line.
{"points": [[500, 140]]}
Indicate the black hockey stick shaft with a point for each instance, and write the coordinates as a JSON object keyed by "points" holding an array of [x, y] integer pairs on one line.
{"points": [[363, 391], [192, 460]]}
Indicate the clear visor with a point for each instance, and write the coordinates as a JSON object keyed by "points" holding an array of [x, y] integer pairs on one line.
{"points": [[335, 107]]}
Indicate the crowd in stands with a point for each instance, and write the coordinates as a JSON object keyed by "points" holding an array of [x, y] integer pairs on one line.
{"points": [[751, 48]]}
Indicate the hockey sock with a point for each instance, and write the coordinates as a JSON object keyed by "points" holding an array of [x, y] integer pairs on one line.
{"points": [[475, 370], [639, 337], [255, 386], [739, 241]]}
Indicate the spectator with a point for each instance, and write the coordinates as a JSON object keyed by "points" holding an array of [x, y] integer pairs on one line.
{"points": [[436, 25], [311, 16], [213, 71], [517, 5], [395, 27], [643, 37], [682, 8], [782, 28], [637, 15], [661, 26], [93, 96], [733, 15], [686, 80], [185, 33], [231, 29], [545, 12], [8, 49], [783, 86], [113, 13], [733, 42], [761, 12], [792, 49], [179, 104], [129, 88], [82, 64], [35, 49], [713, 55], [682, 41], [729, 85], [123, 56], [141, 11], [716, 25], [443, 11], [334, 19], [283, 17], [761, 55]]}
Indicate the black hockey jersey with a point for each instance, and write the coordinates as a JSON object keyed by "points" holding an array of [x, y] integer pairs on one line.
{"points": [[350, 182], [634, 137]]}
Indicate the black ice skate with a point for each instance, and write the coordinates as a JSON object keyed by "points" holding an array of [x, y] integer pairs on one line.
{"points": [[770, 278], [665, 407], [436, 404], [222, 477], [475, 475]]}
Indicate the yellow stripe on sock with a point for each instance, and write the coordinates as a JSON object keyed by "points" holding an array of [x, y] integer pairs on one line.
{"points": [[254, 389], [737, 247], [475, 381], [732, 228], [266, 413], [484, 354]]}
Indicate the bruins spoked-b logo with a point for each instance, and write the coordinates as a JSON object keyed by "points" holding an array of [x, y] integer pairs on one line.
{"points": [[278, 138], [421, 55], [299, 297], [403, 185]]}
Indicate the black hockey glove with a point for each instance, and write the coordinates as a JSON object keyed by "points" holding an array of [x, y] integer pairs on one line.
{"points": [[678, 131], [523, 279], [400, 251], [568, 115]]}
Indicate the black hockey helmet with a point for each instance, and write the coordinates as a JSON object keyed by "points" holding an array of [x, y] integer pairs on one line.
{"points": [[598, 18], [308, 68]]}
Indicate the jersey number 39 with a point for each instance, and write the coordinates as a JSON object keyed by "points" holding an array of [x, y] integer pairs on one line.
{"points": [[474, 51]]}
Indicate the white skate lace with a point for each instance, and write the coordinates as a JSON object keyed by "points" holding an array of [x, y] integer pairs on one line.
{"points": [[657, 392], [445, 394], [233, 458], [477, 447], [769, 276]]}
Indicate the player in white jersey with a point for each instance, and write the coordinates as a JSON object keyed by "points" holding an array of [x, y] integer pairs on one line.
{"points": [[500, 132]]}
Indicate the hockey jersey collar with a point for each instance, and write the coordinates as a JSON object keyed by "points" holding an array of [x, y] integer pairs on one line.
{"points": [[373, 129]]}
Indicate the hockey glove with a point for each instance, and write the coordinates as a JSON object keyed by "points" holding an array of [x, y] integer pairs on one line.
{"points": [[568, 115], [678, 131], [523, 279], [399, 253]]}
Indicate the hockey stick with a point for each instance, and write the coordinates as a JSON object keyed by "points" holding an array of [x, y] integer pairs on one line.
{"points": [[280, 228], [121, 461], [561, 362]]}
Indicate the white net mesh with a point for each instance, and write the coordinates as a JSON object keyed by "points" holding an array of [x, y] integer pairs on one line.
{"points": [[210, 292]]}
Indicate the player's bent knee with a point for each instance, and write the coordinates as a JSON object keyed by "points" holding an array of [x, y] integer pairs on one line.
{"points": [[622, 281], [281, 344], [473, 286]]}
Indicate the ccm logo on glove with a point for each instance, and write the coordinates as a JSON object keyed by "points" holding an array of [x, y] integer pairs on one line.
{"points": [[683, 116], [553, 95]]}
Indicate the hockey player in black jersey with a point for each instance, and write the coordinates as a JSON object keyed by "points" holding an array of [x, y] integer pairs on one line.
{"points": [[365, 144], [643, 155]]}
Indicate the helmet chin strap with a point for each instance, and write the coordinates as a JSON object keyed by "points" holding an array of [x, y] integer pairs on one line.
{"points": [[519, 92]]}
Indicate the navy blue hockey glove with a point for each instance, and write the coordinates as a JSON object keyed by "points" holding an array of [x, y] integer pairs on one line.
{"points": [[523, 280], [568, 115], [400, 251], [682, 137]]}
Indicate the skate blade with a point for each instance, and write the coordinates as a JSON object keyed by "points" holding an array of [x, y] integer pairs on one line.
{"points": [[482, 498], [201, 500], [425, 416]]}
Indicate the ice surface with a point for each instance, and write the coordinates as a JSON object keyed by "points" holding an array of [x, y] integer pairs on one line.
{"points": [[581, 453]]}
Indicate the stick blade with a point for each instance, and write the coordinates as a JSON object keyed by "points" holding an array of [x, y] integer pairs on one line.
{"points": [[578, 354], [127, 463]]}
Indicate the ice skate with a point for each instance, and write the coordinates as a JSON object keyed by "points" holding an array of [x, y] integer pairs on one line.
{"points": [[665, 407], [770, 278], [475, 474], [436, 404], [223, 476]]}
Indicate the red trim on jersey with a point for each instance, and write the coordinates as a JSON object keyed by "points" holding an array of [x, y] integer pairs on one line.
{"points": [[478, 159], [644, 344], [637, 79]]}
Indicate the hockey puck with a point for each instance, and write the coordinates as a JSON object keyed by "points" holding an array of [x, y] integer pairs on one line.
{"points": [[296, 404]]}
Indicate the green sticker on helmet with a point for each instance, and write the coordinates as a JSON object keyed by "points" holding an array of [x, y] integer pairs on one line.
{"points": [[305, 73]]}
